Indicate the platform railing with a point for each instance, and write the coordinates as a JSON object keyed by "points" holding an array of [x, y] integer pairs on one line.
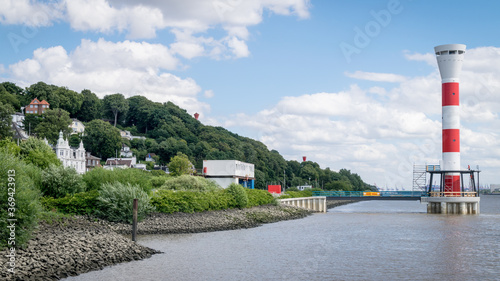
{"points": [[452, 194], [337, 193]]}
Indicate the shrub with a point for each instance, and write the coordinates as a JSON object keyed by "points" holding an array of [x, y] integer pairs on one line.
{"points": [[187, 182], [98, 176], [114, 202], [58, 181], [37, 152], [157, 182], [27, 205], [239, 195], [83, 203], [170, 201], [257, 197]]}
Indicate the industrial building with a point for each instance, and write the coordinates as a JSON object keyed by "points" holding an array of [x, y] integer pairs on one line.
{"points": [[225, 172]]}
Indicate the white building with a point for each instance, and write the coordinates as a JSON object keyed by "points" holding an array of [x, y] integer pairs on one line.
{"points": [[77, 126], [71, 157], [125, 151], [225, 172]]}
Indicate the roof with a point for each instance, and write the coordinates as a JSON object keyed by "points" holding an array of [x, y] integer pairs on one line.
{"points": [[92, 157], [36, 101], [112, 162]]}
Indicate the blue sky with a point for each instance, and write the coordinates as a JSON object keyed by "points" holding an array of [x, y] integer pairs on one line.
{"points": [[350, 84]]}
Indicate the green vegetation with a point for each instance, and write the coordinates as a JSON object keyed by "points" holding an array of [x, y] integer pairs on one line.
{"points": [[37, 152], [82, 203], [96, 177], [172, 136], [24, 207], [295, 193], [192, 183], [58, 181], [114, 202], [238, 193], [180, 165]]}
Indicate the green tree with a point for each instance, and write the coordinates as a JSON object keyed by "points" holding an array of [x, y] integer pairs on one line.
{"points": [[53, 121], [37, 152], [115, 104], [69, 100], [8, 98], [180, 165], [6, 111], [58, 181], [91, 107], [102, 139], [26, 196], [42, 91]]}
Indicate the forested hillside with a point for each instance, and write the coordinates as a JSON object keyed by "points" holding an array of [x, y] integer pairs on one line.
{"points": [[168, 130]]}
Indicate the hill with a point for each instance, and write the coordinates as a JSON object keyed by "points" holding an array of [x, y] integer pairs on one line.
{"points": [[169, 129]]}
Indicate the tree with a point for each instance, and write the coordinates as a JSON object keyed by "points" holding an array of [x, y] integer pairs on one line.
{"points": [[6, 111], [91, 107], [180, 165], [53, 121], [102, 139], [8, 98], [115, 104], [69, 100], [36, 151]]}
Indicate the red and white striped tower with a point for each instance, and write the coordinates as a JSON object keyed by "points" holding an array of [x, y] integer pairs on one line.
{"points": [[450, 58]]}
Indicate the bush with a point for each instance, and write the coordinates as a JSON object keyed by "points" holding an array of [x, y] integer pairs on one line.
{"points": [[257, 197], [83, 203], [157, 182], [239, 195], [114, 202], [58, 181], [37, 152], [98, 176], [26, 196], [170, 201], [187, 182]]}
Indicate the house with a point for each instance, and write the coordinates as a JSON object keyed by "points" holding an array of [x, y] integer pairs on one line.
{"points": [[150, 157], [37, 107], [77, 126], [302, 187], [122, 163], [125, 151], [69, 156], [225, 172], [126, 134], [92, 162]]}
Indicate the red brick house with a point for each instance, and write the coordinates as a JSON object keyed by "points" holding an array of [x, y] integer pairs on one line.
{"points": [[37, 107]]}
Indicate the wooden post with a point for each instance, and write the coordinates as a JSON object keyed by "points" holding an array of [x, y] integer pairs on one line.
{"points": [[134, 221]]}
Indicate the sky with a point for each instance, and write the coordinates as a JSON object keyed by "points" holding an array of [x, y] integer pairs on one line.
{"points": [[349, 84]]}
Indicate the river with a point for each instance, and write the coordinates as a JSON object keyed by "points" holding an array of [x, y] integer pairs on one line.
{"points": [[371, 240]]}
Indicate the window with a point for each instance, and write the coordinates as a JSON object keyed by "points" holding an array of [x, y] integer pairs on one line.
{"points": [[460, 52], [31, 106], [453, 52]]}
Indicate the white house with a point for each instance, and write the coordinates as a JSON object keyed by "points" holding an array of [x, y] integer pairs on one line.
{"points": [[225, 172], [71, 157], [76, 126], [125, 151]]}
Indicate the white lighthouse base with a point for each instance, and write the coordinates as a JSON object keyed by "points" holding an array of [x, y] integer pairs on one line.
{"points": [[452, 205]]}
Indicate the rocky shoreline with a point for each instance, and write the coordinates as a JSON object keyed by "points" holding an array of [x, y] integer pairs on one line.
{"points": [[77, 245]]}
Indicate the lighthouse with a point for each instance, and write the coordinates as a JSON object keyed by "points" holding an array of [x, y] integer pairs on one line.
{"points": [[450, 58], [452, 197]]}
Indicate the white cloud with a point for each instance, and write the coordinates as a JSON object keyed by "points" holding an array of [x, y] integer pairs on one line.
{"points": [[209, 94], [380, 133], [126, 67], [29, 13], [378, 77], [189, 20]]}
